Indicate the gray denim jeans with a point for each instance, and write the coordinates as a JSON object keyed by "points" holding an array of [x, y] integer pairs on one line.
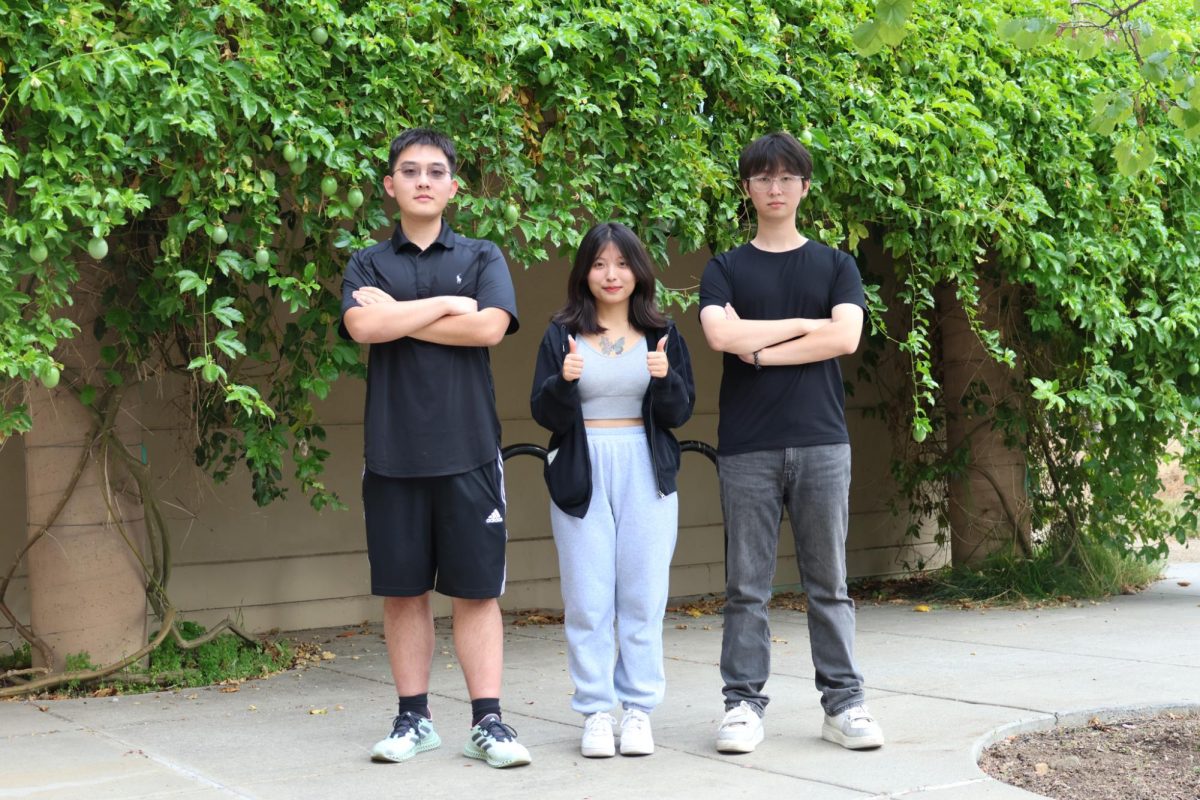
{"points": [[814, 484]]}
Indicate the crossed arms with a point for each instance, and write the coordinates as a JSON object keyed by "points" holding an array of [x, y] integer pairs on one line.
{"points": [[445, 319], [780, 342]]}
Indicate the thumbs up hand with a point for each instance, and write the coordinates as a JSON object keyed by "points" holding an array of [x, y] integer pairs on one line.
{"points": [[572, 366], [656, 361]]}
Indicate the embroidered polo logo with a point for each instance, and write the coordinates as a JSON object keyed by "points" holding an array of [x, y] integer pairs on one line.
{"points": [[458, 278], [494, 517]]}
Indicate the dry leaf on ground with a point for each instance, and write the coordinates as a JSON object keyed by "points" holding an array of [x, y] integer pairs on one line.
{"points": [[538, 618]]}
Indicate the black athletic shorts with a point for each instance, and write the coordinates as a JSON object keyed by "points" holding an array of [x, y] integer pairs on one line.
{"points": [[445, 533]]}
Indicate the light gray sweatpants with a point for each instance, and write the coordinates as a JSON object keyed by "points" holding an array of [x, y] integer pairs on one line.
{"points": [[614, 565]]}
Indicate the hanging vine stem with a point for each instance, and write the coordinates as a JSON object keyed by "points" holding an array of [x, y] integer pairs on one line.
{"points": [[103, 432], [1052, 473], [159, 571], [156, 531], [156, 527]]}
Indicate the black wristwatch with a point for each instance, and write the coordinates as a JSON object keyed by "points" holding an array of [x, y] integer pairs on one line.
{"points": [[756, 364]]}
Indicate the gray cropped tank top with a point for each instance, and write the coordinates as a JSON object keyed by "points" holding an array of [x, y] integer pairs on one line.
{"points": [[613, 387]]}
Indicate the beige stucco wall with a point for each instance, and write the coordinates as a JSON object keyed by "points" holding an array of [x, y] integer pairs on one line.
{"points": [[289, 567]]}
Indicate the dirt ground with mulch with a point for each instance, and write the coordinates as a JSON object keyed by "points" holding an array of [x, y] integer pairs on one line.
{"points": [[1147, 758]]}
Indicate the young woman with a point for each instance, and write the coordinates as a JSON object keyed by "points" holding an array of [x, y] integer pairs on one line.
{"points": [[613, 378]]}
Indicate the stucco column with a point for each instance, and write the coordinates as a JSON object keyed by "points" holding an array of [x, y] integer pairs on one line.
{"points": [[988, 509], [86, 584]]}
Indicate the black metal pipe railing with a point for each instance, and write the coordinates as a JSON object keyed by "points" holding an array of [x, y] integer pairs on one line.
{"points": [[689, 446], [523, 449], [703, 448]]}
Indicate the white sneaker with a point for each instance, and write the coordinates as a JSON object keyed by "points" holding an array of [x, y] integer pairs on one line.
{"points": [[597, 739], [741, 730], [854, 729], [636, 738]]}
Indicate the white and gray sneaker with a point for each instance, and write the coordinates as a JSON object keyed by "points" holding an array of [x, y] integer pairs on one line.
{"points": [[597, 739], [854, 729], [741, 730], [636, 738], [411, 734]]}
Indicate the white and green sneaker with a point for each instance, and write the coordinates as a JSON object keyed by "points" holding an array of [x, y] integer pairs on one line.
{"points": [[496, 743], [411, 734]]}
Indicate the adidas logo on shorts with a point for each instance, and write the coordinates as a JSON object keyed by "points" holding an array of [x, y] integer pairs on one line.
{"points": [[494, 516]]}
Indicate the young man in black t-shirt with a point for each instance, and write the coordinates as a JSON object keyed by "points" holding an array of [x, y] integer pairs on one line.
{"points": [[783, 308], [430, 303]]}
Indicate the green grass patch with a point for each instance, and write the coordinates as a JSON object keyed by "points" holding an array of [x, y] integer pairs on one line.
{"points": [[225, 659], [1090, 572], [76, 662], [15, 657]]}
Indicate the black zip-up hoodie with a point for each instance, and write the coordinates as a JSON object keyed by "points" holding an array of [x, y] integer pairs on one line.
{"points": [[555, 405]]}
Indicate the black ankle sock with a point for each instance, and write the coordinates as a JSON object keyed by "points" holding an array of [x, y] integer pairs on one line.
{"points": [[418, 704], [482, 707]]}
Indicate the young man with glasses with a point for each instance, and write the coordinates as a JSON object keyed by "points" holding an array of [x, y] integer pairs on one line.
{"points": [[783, 308], [430, 302]]}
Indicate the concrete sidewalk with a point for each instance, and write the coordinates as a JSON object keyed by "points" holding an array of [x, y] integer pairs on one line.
{"points": [[943, 684]]}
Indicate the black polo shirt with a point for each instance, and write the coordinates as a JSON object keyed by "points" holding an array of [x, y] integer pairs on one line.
{"points": [[798, 405], [431, 408]]}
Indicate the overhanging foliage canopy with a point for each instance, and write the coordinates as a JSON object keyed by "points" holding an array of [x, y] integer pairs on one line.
{"points": [[222, 158]]}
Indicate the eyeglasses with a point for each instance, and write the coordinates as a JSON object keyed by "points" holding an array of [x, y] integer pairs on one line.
{"points": [[435, 173], [761, 183]]}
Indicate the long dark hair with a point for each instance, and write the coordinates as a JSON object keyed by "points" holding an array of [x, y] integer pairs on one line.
{"points": [[579, 314]]}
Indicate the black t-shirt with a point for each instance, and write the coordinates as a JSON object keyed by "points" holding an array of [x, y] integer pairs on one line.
{"points": [[787, 406], [431, 408]]}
